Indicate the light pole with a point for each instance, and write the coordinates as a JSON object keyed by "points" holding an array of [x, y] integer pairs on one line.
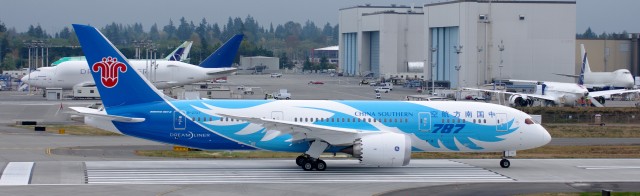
{"points": [[501, 48], [433, 66], [457, 67], [458, 51]]}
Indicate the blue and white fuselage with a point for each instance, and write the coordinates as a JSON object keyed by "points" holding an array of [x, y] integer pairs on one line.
{"points": [[432, 126]]}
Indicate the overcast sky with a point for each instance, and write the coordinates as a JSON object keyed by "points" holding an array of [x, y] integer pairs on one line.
{"points": [[609, 16]]}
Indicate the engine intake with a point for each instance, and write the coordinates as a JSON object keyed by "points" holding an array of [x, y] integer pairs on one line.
{"points": [[383, 150], [520, 101]]}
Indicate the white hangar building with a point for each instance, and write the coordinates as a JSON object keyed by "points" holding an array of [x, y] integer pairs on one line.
{"points": [[464, 42]]}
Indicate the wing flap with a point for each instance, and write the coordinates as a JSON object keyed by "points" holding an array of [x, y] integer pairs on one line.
{"points": [[101, 114]]}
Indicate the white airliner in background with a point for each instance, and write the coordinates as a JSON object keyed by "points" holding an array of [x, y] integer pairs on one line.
{"points": [[618, 79], [379, 133], [568, 94], [168, 72]]}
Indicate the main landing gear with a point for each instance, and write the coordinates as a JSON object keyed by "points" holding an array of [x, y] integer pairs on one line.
{"points": [[309, 163], [504, 163], [311, 159]]}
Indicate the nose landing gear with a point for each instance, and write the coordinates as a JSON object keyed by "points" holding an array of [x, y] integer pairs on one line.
{"points": [[504, 163]]}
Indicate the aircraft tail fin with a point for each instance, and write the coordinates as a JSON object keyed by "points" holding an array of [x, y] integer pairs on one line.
{"points": [[585, 65], [224, 56], [181, 53], [118, 83]]}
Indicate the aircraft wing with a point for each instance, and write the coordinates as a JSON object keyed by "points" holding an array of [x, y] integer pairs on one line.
{"points": [[545, 97], [334, 135], [101, 114], [612, 92]]}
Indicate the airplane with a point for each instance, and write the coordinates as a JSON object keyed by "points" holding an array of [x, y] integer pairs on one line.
{"points": [[379, 133], [594, 81], [562, 93], [169, 72]]}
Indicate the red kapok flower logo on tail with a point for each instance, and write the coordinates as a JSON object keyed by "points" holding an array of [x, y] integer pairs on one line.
{"points": [[109, 68]]}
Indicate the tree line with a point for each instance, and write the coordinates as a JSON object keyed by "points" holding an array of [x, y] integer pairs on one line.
{"points": [[291, 40]]}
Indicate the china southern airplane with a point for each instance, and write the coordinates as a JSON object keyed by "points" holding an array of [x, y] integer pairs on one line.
{"points": [[169, 72], [618, 79], [379, 133]]}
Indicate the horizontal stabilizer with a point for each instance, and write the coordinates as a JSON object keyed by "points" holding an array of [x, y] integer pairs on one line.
{"points": [[102, 114], [221, 71], [568, 75]]}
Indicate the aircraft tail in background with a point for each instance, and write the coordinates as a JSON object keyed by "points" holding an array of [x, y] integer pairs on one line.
{"points": [[224, 56], [107, 66], [181, 53], [585, 65]]}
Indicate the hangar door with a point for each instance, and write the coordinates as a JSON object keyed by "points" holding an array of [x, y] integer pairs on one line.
{"points": [[444, 40], [350, 53], [374, 52]]}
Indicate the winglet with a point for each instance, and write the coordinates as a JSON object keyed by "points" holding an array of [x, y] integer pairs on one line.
{"points": [[224, 56], [118, 83]]}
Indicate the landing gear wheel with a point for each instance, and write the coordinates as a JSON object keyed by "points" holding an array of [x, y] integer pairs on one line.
{"points": [[307, 165], [320, 165], [504, 163], [300, 160]]}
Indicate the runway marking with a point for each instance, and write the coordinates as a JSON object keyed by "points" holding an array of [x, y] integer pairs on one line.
{"points": [[609, 167], [218, 172], [17, 173]]}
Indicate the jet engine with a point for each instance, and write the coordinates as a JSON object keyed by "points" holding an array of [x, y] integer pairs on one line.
{"points": [[520, 101], [383, 150]]}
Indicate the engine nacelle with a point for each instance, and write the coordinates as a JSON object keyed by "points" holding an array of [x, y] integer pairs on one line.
{"points": [[520, 100], [383, 150]]}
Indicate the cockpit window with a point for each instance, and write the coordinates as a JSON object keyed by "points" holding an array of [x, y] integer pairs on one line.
{"points": [[529, 121]]}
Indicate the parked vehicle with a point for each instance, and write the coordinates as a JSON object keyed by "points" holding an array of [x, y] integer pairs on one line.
{"points": [[382, 89], [474, 97], [315, 82], [282, 94], [276, 75]]}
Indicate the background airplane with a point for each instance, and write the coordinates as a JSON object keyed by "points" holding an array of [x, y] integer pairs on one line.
{"points": [[379, 133], [618, 79], [72, 71]]}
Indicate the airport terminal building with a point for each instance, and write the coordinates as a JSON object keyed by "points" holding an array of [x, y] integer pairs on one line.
{"points": [[465, 42]]}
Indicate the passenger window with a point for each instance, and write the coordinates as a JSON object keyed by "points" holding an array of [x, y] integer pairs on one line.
{"points": [[485, 120], [474, 120], [348, 120]]}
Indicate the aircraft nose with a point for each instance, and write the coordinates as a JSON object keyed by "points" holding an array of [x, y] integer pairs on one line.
{"points": [[24, 79], [546, 137]]}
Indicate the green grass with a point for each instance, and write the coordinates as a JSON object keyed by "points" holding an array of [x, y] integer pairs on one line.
{"points": [[592, 131], [585, 194]]}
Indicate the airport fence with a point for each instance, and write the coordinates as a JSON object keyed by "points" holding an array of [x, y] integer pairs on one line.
{"points": [[586, 115]]}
